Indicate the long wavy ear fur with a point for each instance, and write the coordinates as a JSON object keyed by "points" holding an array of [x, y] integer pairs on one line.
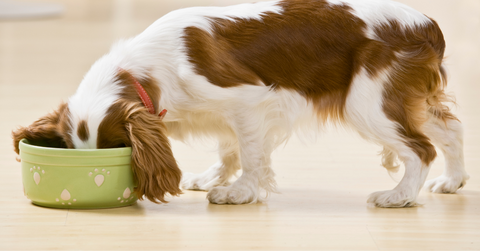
{"points": [[52, 130], [153, 164]]}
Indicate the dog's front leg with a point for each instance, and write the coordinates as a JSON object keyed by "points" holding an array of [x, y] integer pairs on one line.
{"points": [[220, 173], [255, 153]]}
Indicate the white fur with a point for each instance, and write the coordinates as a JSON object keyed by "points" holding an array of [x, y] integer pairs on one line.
{"points": [[449, 138], [195, 16], [94, 96], [377, 12], [364, 113], [250, 121]]}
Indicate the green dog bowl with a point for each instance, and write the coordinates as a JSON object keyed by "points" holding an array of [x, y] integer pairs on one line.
{"points": [[77, 178]]}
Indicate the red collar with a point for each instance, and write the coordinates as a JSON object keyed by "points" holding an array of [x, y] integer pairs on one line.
{"points": [[145, 98]]}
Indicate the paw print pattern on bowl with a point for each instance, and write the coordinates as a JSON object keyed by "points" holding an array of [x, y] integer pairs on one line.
{"points": [[36, 175], [126, 196], [99, 176], [65, 197], [76, 178]]}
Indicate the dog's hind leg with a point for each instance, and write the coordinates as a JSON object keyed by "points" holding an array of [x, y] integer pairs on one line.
{"points": [[446, 133], [218, 174], [365, 110]]}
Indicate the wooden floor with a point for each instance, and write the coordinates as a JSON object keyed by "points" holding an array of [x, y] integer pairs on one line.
{"points": [[324, 185]]}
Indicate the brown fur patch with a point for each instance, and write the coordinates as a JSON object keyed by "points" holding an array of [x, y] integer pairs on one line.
{"points": [[417, 82], [82, 131], [316, 49], [126, 80], [155, 169], [128, 123], [52, 130], [112, 130], [301, 49], [153, 162]]}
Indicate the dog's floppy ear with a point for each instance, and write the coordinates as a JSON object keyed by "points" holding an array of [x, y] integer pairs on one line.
{"points": [[52, 130], [153, 164]]}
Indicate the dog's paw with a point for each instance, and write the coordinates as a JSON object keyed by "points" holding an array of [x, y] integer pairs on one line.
{"points": [[202, 182], [231, 195], [444, 184], [392, 198]]}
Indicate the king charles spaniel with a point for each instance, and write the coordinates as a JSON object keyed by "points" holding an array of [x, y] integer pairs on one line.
{"points": [[250, 76]]}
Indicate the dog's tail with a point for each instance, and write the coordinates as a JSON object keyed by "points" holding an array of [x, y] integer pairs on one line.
{"points": [[390, 160], [437, 98]]}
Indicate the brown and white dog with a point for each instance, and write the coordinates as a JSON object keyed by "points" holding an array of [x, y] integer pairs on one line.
{"points": [[250, 75]]}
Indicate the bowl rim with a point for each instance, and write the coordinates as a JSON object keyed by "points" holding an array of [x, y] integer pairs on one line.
{"points": [[26, 147]]}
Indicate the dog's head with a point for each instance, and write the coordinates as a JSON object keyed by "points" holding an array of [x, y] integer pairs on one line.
{"points": [[96, 119]]}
